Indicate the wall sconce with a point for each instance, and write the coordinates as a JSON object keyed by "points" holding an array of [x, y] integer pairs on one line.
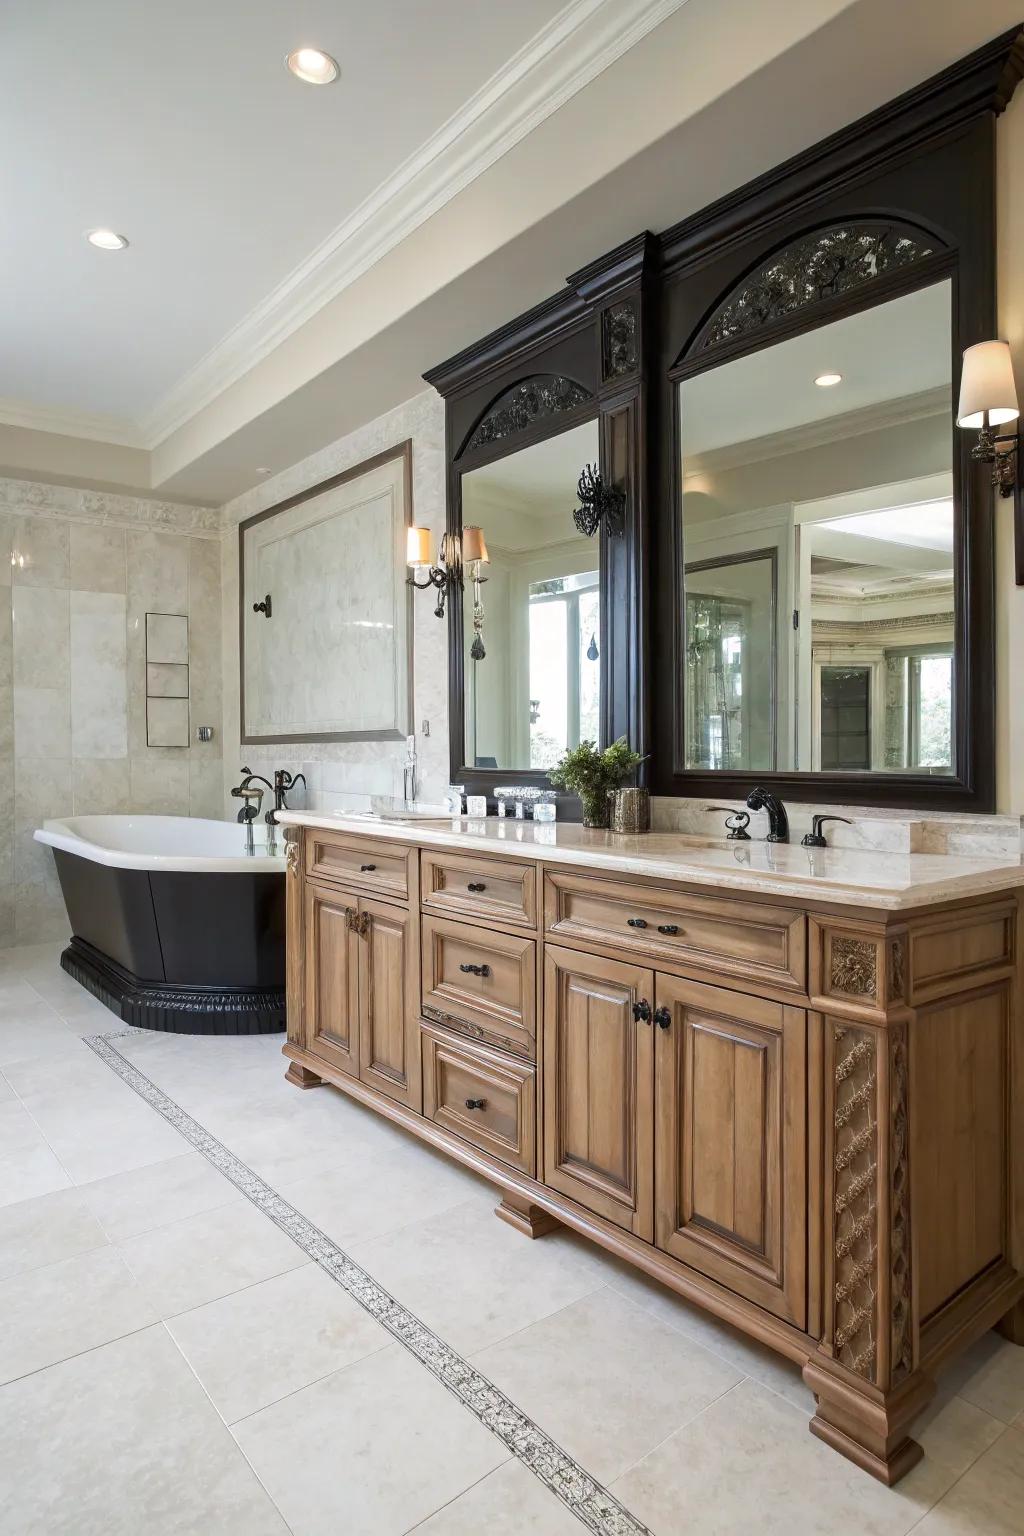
{"points": [[988, 398], [447, 574]]}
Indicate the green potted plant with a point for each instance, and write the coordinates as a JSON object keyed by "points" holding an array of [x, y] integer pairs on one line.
{"points": [[592, 775]]}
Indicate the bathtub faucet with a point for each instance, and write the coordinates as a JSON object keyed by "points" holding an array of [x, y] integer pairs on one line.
{"points": [[246, 792]]}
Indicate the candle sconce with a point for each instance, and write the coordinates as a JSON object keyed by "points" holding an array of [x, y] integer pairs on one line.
{"points": [[988, 398]]}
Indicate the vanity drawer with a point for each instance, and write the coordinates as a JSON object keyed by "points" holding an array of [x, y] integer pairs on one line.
{"points": [[503, 890], [749, 940], [369, 863], [481, 982], [483, 1096]]}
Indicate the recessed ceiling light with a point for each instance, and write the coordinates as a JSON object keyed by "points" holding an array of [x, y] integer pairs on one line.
{"points": [[261, 469], [826, 380], [313, 66], [106, 239]]}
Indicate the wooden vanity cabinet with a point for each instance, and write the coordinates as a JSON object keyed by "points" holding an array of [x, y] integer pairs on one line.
{"points": [[803, 1116]]}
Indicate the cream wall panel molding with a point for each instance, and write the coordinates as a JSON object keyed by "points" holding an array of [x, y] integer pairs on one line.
{"points": [[561, 59], [34, 498]]}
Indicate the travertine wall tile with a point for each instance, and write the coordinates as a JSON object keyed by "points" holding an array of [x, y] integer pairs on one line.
{"points": [[97, 558]]}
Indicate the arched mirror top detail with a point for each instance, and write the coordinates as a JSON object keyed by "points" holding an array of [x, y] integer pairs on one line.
{"points": [[824, 265], [525, 405]]}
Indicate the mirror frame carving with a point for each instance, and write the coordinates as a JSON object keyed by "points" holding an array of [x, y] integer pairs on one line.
{"points": [[630, 326]]}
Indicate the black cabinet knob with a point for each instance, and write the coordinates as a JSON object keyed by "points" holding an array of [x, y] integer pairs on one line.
{"points": [[475, 970], [637, 922], [642, 1011], [476, 1103], [477, 885], [663, 1018], [365, 869]]}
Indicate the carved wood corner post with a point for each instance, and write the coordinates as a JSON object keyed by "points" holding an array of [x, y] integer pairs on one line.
{"points": [[864, 1376], [301, 1076]]}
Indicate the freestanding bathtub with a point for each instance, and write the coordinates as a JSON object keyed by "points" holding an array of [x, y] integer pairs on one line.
{"points": [[174, 926]]}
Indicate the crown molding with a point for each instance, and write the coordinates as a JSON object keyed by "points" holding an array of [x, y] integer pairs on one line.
{"points": [[69, 423], [582, 41]]}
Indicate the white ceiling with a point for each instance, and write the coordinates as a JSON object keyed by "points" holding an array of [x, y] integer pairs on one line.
{"points": [[179, 126], [894, 352], [301, 255]]}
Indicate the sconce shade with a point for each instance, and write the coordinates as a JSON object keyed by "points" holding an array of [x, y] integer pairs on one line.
{"points": [[417, 546], [474, 546], [986, 384]]}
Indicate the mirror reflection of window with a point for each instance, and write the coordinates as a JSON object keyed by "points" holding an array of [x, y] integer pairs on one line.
{"points": [[536, 690], [831, 450]]}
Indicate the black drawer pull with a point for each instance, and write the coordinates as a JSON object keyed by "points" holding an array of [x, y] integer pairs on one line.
{"points": [[637, 922], [642, 1011], [475, 970], [477, 885], [668, 928], [476, 1103], [366, 869], [662, 1018]]}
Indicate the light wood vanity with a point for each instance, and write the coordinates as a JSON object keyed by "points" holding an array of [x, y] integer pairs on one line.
{"points": [[786, 1084]]}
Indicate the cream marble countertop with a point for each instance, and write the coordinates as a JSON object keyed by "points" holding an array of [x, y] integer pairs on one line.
{"points": [[850, 877]]}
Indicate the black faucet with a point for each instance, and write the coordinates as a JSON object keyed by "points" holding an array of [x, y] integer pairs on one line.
{"points": [[249, 811], [761, 799], [284, 783]]}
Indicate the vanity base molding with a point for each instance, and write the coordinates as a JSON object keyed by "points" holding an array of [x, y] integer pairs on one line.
{"points": [[751, 1098], [525, 1216]]}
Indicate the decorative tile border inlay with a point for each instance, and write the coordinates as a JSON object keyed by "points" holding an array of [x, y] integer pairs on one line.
{"points": [[591, 1503]]}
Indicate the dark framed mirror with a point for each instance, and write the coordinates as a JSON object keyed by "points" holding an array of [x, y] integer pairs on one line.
{"points": [[822, 608], [545, 638]]}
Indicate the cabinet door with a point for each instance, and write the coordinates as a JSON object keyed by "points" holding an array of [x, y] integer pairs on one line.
{"points": [[730, 1143], [389, 1050], [331, 1022], [598, 1086]]}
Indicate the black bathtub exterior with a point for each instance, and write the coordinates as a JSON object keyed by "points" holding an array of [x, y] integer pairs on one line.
{"points": [[191, 952]]}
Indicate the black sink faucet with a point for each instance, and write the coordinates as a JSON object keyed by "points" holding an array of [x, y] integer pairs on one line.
{"points": [[761, 799]]}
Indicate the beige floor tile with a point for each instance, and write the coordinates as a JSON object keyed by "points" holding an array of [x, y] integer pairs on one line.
{"points": [[988, 1500], [97, 1132], [260, 1344], [17, 1128], [990, 1375], [29, 1172], [46, 1230], [473, 1279], [955, 1433], [142, 1199], [207, 1256], [76, 1067], [6, 1091], [640, 1379], [32, 1031], [373, 1449], [508, 1502], [378, 1193], [122, 1441], [746, 1355], [66, 1308], [750, 1464]]}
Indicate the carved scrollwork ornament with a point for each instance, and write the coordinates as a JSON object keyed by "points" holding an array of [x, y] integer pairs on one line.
{"points": [[291, 850], [853, 968], [547, 394], [811, 270], [855, 1202], [619, 352]]}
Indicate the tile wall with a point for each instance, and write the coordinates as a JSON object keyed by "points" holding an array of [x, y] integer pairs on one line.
{"points": [[81, 573]]}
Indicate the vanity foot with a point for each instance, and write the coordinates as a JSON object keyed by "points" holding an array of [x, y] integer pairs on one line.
{"points": [[302, 1077], [869, 1430], [525, 1217], [1012, 1325]]}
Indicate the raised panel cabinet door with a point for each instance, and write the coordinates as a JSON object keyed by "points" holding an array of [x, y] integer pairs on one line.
{"points": [[331, 1022], [730, 1141], [389, 1048], [598, 1086]]}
